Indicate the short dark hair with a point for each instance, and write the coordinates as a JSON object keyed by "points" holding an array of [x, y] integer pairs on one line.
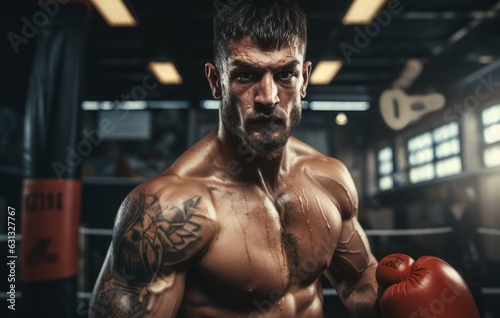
{"points": [[270, 23]]}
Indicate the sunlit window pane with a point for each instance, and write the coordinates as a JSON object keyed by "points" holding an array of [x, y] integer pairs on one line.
{"points": [[492, 134], [420, 157], [425, 150], [385, 183], [445, 132], [420, 142], [448, 148], [492, 156], [422, 173], [491, 115], [385, 168], [448, 167], [385, 154]]}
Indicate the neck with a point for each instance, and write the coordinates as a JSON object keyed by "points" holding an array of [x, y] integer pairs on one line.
{"points": [[242, 165]]}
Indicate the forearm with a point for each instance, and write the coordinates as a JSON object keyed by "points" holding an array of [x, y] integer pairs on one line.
{"points": [[359, 297], [113, 299], [116, 297]]}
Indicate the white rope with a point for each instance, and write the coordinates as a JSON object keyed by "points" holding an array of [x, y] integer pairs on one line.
{"points": [[329, 292], [484, 291], [4, 295], [5, 237], [402, 232], [490, 291], [94, 231], [326, 292], [369, 232], [84, 295], [409, 232], [482, 230]]}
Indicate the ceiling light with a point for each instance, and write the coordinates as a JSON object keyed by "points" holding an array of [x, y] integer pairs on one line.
{"points": [[363, 11], [324, 72], [165, 73], [108, 105], [339, 105], [169, 104], [210, 104], [90, 105], [486, 59], [134, 105], [115, 13], [341, 119]]}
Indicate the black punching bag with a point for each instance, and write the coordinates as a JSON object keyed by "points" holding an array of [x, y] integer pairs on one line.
{"points": [[51, 190]]}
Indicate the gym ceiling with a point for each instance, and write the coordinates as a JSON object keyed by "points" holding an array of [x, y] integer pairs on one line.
{"points": [[451, 38]]}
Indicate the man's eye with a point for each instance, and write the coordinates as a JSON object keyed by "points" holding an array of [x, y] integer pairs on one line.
{"points": [[286, 75], [245, 76]]}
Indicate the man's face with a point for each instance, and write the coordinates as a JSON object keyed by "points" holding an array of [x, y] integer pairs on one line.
{"points": [[261, 94]]}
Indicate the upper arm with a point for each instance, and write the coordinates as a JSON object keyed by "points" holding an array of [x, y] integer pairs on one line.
{"points": [[352, 256], [156, 236], [353, 264]]}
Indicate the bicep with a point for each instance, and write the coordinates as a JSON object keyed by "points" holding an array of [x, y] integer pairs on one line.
{"points": [[352, 256], [153, 243]]}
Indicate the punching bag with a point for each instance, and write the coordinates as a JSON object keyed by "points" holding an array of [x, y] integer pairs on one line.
{"points": [[51, 190]]}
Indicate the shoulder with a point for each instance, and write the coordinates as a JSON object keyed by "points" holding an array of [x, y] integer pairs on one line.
{"points": [[331, 174], [172, 213], [319, 165]]}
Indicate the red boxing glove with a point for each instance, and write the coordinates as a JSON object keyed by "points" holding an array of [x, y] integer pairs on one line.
{"points": [[428, 288]]}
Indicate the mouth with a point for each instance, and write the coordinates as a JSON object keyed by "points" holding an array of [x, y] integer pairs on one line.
{"points": [[265, 120]]}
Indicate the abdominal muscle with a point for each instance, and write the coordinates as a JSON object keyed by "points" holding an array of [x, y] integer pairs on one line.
{"points": [[298, 301]]}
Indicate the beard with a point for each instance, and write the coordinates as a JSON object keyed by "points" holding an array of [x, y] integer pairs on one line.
{"points": [[269, 140]]}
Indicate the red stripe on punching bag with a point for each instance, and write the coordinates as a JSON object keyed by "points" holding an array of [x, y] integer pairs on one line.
{"points": [[50, 226]]}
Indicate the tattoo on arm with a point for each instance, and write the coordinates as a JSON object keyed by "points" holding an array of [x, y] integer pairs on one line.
{"points": [[149, 239]]}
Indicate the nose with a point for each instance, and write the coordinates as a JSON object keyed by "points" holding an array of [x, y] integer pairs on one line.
{"points": [[267, 91]]}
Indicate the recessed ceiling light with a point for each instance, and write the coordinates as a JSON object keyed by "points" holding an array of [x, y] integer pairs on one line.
{"points": [[324, 72], [115, 13], [165, 73], [486, 59], [363, 11], [341, 119], [339, 105]]}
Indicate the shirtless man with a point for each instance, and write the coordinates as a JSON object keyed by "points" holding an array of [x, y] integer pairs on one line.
{"points": [[247, 220]]}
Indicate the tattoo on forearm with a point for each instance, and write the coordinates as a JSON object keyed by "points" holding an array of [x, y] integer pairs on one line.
{"points": [[149, 237], [119, 299]]}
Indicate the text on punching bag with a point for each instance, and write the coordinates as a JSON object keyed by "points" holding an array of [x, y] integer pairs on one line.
{"points": [[44, 201]]}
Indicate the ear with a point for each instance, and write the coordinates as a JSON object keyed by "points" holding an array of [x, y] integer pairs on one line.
{"points": [[213, 79], [306, 73]]}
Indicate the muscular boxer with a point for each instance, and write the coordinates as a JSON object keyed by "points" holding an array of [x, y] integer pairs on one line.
{"points": [[248, 219]]}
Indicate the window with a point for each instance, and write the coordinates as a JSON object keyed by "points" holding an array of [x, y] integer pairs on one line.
{"points": [[491, 136], [435, 154], [385, 169]]}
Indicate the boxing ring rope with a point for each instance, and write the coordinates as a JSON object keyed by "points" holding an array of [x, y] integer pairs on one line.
{"points": [[96, 231], [409, 232], [369, 232], [484, 231]]}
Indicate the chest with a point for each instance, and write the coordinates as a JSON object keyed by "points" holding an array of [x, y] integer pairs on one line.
{"points": [[267, 243]]}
